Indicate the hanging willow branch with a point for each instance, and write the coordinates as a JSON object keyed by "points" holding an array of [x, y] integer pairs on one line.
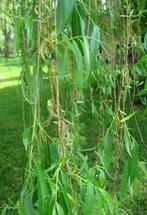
{"points": [[38, 45], [64, 179], [59, 117]]}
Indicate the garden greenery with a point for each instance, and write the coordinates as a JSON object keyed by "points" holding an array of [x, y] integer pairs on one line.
{"points": [[92, 55]]}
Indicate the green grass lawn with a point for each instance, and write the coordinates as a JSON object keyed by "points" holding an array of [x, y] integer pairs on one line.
{"points": [[12, 154], [11, 127], [9, 72]]}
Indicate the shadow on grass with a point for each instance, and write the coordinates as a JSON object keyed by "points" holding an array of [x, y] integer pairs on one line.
{"points": [[12, 154], [12, 158], [13, 61]]}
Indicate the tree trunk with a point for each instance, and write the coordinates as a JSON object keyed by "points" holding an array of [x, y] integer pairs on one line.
{"points": [[7, 41]]}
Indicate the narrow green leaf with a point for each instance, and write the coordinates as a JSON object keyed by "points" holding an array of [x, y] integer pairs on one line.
{"points": [[89, 205], [125, 178], [100, 202], [133, 162], [42, 189], [83, 162], [28, 204], [42, 184], [4, 211], [64, 9], [101, 178], [94, 45], [76, 24], [25, 137], [67, 200], [66, 196], [17, 37], [47, 156], [106, 196], [28, 20], [77, 55], [82, 24], [93, 107], [127, 117], [59, 209], [145, 41], [79, 73], [107, 152], [127, 140], [63, 59], [87, 63], [82, 190]]}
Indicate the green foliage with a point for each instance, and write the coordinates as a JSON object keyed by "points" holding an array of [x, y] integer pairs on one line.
{"points": [[25, 137], [17, 33], [64, 10], [61, 178], [145, 41]]}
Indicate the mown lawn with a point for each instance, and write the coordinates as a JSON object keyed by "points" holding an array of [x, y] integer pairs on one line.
{"points": [[13, 109], [12, 157], [11, 127]]}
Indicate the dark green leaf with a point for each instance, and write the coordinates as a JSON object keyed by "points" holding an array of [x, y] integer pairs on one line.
{"points": [[145, 41], [64, 9], [125, 178], [4, 211]]}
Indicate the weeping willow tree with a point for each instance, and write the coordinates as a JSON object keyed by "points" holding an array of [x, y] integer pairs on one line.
{"points": [[86, 52]]}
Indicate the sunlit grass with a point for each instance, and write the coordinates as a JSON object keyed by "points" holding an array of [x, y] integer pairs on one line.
{"points": [[9, 76]]}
